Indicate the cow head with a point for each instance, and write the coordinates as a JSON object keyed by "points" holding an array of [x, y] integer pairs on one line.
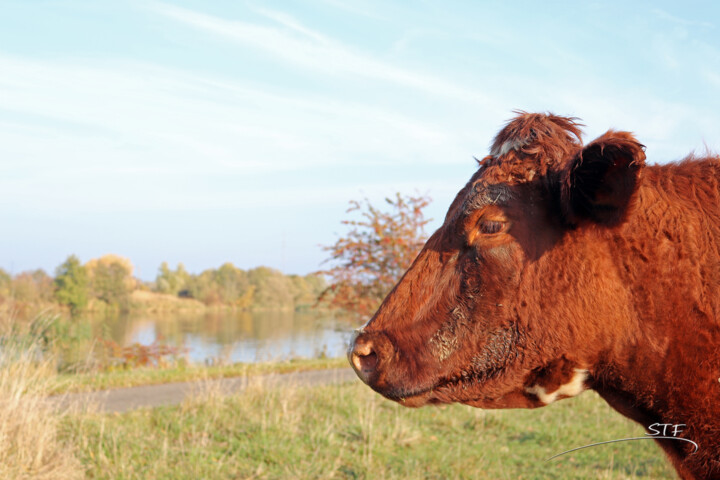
{"points": [[515, 299]]}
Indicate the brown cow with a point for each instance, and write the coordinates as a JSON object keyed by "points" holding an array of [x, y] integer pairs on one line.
{"points": [[560, 268]]}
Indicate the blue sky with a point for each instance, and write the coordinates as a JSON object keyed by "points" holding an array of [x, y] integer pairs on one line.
{"points": [[207, 132]]}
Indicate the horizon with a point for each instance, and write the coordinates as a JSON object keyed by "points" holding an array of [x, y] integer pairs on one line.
{"points": [[206, 133], [173, 268]]}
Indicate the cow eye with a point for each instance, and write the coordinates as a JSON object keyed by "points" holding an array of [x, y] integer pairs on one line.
{"points": [[491, 227]]}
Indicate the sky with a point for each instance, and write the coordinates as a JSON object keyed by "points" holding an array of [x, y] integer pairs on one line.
{"points": [[206, 132]]}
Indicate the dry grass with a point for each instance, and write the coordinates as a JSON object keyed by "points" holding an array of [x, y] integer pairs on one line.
{"points": [[162, 302], [30, 446], [349, 432]]}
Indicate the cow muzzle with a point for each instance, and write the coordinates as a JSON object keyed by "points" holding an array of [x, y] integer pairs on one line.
{"points": [[368, 353]]}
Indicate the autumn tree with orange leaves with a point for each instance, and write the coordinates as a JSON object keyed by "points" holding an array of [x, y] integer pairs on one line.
{"points": [[376, 251]]}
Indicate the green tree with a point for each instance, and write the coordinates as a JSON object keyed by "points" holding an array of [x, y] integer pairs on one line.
{"points": [[109, 283], [163, 280], [111, 279], [172, 282], [33, 287], [272, 288], [376, 251], [228, 285], [306, 289], [71, 284], [232, 283], [200, 287]]}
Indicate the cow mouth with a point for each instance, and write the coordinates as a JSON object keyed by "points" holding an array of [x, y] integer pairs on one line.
{"points": [[444, 391], [413, 396]]}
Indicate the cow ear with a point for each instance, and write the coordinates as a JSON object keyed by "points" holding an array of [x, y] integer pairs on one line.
{"points": [[599, 183]]}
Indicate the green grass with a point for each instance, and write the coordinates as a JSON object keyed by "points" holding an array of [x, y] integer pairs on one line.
{"points": [[349, 432], [343, 431], [80, 382]]}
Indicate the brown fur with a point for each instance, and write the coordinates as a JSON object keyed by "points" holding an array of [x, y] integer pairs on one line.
{"points": [[559, 258]]}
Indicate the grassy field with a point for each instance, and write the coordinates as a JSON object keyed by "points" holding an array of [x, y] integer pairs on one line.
{"points": [[349, 432], [342, 431]]}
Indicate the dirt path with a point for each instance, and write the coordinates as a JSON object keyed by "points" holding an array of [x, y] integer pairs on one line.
{"points": [[124, 399]]}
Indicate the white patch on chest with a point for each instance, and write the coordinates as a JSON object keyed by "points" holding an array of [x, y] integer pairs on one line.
{"points": [[574, 387]]}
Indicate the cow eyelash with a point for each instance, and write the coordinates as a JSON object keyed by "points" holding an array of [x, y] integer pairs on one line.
{"points": [[491, 227]]}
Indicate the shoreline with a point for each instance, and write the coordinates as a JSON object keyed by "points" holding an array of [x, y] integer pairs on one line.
{"points": [[67, 383]]}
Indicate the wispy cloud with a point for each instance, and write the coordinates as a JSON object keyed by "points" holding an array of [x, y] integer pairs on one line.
{"points": [[188, 116], [357, 8], [681, 21], [105, 126], [291, 23], [314, 51]]}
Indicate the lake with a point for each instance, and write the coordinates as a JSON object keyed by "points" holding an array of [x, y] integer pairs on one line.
{"points": [[230, 337]]}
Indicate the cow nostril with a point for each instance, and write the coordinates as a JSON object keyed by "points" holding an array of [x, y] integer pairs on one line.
{"points": [[365, 363], [364, 358], [363, 349], [368, 355]]}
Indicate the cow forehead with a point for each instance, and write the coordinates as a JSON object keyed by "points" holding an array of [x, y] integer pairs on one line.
{"points": [[476, 194], [482, 194]]}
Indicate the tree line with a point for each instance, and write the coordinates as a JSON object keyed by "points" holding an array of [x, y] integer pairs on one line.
{"points": [[365, 263], [108, 281], [260, 287]]}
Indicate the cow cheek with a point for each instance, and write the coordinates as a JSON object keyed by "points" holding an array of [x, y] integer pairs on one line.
{"points": [[447, 339]]}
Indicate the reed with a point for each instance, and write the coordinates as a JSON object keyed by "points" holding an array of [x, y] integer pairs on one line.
{"points": [[30, 442]]}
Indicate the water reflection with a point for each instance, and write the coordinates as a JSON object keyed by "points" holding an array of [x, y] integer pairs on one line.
{"points": [[233, 336]]}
